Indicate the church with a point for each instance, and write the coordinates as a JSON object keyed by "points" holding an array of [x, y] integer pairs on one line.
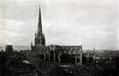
{"points": [[53, 53]]}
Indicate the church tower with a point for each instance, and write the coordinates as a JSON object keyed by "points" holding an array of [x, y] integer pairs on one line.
{"points": [[39, 36]]}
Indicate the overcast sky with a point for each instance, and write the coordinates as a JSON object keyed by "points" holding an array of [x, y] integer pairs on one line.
{"points": [[91, 23]]}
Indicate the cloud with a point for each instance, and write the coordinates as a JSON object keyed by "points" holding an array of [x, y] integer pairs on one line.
{"points": [[83, 23], [16, 32], [94, 23]]}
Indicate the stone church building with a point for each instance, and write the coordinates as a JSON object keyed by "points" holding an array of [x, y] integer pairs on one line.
{"points": [[53, 53]]}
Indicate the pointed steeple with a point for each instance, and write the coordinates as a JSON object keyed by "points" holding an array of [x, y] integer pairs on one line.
{"points": [[39, 36], [39, 31]]}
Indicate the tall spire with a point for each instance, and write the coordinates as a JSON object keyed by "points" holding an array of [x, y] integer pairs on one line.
{"points": [[39, 22], [39, 36]]}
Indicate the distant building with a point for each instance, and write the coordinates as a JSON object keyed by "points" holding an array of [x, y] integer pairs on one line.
{"points": [[57, 53], [9, 48]]}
